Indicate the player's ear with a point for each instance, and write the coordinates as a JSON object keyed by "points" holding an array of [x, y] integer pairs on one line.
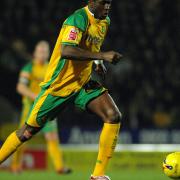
{"points": [[91, 1]]}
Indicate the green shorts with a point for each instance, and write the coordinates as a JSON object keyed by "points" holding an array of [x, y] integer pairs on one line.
{"points": [[50, 126], [47, 106]]}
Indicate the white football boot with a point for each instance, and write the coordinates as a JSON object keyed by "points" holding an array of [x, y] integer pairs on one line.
{"points": [[100, 178]]}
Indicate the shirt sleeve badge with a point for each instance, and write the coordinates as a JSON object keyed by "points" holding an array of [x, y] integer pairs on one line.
{"points": [[73, 34]]}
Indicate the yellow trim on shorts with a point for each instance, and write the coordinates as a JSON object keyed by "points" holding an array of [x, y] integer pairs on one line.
{"points": [[32, 119]]}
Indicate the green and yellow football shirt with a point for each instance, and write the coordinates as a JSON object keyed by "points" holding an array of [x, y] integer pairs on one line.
{"points": [[34, 73], [65, 76]]}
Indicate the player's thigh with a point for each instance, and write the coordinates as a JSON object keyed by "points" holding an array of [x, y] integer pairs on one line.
{"points": [[50, 130], [87, 93], [35, 118], [105, 107], [45, 107], [51, 136], [94, 97]]}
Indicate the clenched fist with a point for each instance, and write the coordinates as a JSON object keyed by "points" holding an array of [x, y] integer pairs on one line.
{"points": [[112, 56]]}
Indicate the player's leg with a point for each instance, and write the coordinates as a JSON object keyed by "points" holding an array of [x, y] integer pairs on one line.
{"points": [[35, 122], [45, 107], [17, 158], [105, 108], [53, 147], [15, 140], [94, 97]]}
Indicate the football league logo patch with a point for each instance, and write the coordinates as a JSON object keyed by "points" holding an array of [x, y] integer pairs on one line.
{"points": [[73, 34]]}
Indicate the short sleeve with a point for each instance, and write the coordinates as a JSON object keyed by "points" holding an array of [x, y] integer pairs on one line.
{"points": [[27, 68], [79, 20], [71, 35], [25, 73], [74, 26]]}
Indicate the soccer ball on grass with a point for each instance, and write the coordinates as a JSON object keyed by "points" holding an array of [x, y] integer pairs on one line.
{"points": [[171, 165]]}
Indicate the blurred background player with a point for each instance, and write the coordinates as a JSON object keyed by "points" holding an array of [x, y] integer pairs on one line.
{"points": [[28, 86]]}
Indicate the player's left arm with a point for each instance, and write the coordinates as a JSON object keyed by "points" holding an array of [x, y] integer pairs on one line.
{"points": [[22, 86]]}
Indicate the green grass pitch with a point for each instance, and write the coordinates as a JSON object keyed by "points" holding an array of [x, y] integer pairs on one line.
{"points": [[124, 166], [78, 175]]}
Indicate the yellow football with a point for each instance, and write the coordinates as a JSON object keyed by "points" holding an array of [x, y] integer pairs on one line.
{"points": [[171, 165]]}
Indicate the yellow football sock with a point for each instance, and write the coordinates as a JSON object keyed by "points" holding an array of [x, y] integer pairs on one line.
{"points": [[55, 154], [107, 144], [9, 146], [16, 163]]}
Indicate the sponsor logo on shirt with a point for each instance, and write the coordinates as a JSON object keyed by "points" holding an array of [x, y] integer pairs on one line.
{"points": [[94, 40], [73, 34]]}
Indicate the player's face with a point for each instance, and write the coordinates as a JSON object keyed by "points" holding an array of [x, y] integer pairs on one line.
{"points": [[41, 53], [102, 8]]}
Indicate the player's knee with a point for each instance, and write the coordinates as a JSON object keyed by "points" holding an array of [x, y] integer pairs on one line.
{"points": [[26, 132], [23, 134], [114, 116], [51, 136]]}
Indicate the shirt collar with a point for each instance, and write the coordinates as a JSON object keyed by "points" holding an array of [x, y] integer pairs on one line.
{"points": [[90, 11]]}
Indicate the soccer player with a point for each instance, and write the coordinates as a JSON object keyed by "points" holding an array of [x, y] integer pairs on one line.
{"points": [[68, 80], [30, 77]]}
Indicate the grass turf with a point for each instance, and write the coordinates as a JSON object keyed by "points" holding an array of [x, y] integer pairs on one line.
{"points": [[77, 175], [124, 166]]}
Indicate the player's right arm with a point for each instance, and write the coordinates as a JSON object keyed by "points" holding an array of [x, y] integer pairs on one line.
{"points": [[23, 83], [73, 29], [76, 53]]}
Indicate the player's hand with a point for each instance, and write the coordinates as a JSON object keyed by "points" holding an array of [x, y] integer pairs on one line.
{"points": [[101, 70], [112, 57]]}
